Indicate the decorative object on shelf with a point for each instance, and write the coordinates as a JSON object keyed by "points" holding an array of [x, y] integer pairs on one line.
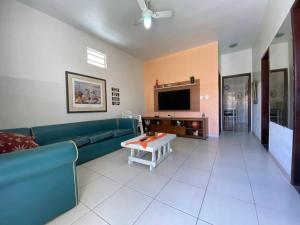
{"points": [[254, 92], [156, 84], [85, 93], [115, 93], [131, 115], [192, 79], [203, 115], [196, 133], [150, 134], [178, 123], [195, 124], [147, 122]]}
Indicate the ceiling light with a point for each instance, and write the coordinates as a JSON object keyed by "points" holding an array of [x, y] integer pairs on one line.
{"points": [[147, 22], [233, 45]]}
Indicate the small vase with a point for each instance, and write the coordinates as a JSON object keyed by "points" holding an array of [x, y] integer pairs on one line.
{"points": [[156, 84], [192, 79]]}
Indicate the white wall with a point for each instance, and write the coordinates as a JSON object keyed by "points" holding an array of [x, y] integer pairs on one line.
{"points": [[236, 63], [277, 11], [280, 146], [36, 50], [279, 56]]}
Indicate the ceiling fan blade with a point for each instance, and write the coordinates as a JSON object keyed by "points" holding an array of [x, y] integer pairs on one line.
{"points": [[142, 5], [139, 21], [162, 14]]}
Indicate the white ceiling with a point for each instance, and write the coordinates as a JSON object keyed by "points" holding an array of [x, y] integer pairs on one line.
{"points": [[195, 22]]}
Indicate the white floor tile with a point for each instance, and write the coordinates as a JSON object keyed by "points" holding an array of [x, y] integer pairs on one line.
{"points": [[121, 174], [97, 191], [201, 163], [183, 197], [231, 185], [165, 169], [281, 197], [124, 207], [85, 176], [219, 209], [160, 214], [148, 183], [71, 216], [201, 222], [273, 217], [192, 176], [90, 219]]}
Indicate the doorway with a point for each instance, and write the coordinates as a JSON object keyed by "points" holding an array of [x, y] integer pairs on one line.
{"points": [[236, 98]]}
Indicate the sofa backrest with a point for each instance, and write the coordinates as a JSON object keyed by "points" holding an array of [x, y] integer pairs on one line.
{"points": [[24, 131], [53, 133]]}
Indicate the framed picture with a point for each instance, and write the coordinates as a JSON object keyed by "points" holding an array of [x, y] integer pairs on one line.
{"points": [[85, 93]]}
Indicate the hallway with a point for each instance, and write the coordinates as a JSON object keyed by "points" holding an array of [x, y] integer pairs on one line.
{"points": [[227, 181]]}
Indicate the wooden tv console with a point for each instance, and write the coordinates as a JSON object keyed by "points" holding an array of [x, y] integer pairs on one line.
{"points": [[182, 127]]}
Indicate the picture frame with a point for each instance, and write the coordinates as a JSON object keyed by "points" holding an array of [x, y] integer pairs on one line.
{"points": [[85, 94]]}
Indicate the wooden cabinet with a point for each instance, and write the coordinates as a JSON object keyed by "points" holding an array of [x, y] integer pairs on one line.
{"points": [[183, 127]]}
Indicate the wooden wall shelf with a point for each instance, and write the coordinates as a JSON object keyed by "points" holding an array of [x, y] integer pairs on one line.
{"points": [[166, 86], [182, 127]]}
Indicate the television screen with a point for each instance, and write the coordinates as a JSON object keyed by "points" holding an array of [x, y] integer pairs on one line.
{"points": [[174, 100]]}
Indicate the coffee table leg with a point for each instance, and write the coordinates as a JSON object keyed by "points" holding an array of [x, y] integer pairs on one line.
{"points": [[132, 155], [169, 147], [153, 160]]}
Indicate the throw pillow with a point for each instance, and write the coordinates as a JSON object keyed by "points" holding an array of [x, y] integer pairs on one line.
{"points": [[14, 142]]}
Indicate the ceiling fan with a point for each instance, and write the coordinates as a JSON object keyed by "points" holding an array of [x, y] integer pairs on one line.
{"points": [[148, 14]]}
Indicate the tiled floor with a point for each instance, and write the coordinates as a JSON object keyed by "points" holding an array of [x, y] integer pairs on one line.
{"points": [[226, 181]]}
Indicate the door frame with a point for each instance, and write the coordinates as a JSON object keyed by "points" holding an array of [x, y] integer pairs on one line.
{"points": [[265, 111], [295, 176], [249, 97]]}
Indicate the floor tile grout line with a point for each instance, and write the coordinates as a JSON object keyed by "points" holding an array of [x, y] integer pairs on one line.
{"points": [[101, 217], [166, 204], [249, 182], [154, 199], [206, 189], [89, 210]]}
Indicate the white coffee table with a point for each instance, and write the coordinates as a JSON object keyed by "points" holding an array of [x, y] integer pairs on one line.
{"points": [[160, 149]]}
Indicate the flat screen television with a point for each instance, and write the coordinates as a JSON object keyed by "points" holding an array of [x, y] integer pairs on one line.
{"points": [[174, 100]]}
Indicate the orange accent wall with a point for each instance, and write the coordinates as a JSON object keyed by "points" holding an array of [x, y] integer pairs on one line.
{"points": [[201, 62]]}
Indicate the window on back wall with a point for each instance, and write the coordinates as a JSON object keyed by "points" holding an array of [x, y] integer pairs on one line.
{"points": [[96, 58]]}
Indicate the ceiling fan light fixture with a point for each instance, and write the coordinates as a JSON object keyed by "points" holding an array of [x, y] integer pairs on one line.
{"points": [[147, 22]]}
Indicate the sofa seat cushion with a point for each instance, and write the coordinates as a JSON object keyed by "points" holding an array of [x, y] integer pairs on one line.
{"points": [[13, 142], [100, 136], [122, 132], [80, 141]]}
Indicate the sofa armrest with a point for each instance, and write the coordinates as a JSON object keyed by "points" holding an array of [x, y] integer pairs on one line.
{"points": [[128, 124], [20, 165]]}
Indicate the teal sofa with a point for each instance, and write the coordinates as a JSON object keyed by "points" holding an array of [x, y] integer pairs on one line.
{"points": [[93, 138], [39, 184]]}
